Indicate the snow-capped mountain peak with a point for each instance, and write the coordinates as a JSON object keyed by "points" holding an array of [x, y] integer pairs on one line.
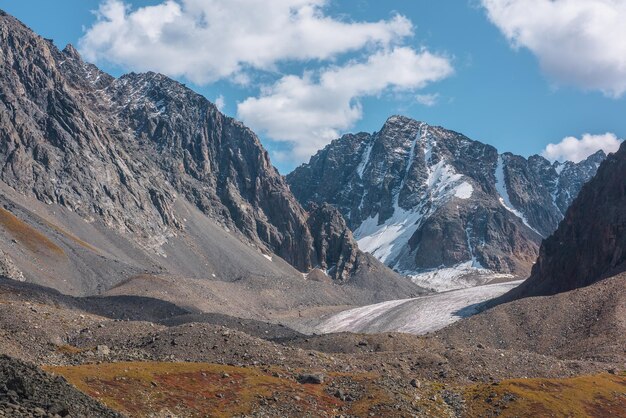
{"points": [[422, 198]]}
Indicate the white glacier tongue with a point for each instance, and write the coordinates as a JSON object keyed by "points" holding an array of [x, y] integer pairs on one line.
{"points": [[504, 195], [415, 316]]}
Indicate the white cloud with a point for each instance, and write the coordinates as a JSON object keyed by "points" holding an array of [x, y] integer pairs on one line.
{"points": [[311, 110], [577, 42], [574, 149], [220, 102], [207, 40], [427, 99]]}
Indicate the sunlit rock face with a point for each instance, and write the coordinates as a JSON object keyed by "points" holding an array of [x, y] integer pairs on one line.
{"points": [[438, 206]]}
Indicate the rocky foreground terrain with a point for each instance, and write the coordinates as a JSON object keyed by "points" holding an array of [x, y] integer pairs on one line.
{"points": [[163, 365], [27, 391]]}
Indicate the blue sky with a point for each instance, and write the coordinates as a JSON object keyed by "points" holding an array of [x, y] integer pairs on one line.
{"points": [[518, 84]]}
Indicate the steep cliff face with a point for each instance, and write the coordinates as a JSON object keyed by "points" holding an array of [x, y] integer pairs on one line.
{"points": [[590, 243], [138, 153], [123, 149], [333, 242], [434, 204]]}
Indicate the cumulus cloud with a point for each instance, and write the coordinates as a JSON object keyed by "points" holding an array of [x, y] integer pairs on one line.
{"points": [[220, 102], [574, 149], [207, 40], [577, 42], [427, 99], [310, 110]]}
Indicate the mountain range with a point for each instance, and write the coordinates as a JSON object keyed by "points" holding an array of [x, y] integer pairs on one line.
{"points": [[590, 244], [435, 205], [154, 263], [106, 181]]}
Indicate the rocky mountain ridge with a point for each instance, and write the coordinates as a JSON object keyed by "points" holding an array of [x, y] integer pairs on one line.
{"points": [[590, 244], [154, 170], [435, 204]]}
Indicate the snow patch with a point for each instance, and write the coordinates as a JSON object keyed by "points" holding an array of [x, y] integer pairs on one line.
{"points": [[386, 241], [464, 190], [441, 178], [461, 276], [366, 158], [416, 316], [504, 195], [558, 167], [268, 257], [468, 236]]}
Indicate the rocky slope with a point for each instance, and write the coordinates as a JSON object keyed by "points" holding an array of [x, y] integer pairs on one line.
{"points": [[27, 391], [584, 323], [143, 368], [574, 303], [420, 197], [590, 243], [104, 179]]}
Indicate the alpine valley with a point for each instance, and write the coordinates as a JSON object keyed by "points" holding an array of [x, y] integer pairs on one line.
{"points": [[153, 262]]}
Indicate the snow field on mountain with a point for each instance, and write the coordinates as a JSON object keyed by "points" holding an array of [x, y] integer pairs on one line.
{"points": [[504, 194], [388, 240]]}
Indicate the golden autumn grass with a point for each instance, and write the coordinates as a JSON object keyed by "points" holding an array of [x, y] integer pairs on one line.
{"points": [[28, 236], [200, 389], [192, 389], [602, 395], [143, 389], [69, 349]]}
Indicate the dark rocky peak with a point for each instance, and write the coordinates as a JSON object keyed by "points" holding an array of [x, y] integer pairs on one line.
{"points": [[542, 191], [594, 160], [339, 160], [336, 249], [71, 52], [52, 123], [81, 75], [529, 184], [399, 127], [149, 142], [28, 60], [214, 161], [420, 197], [590, 243], [140, 88]]}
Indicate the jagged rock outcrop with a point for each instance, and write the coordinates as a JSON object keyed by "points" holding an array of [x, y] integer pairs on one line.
{"points": [[333, 241], [590, 243], [140, 155], [28, 391], [8, 268], [420, 197], [146, 139]]}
